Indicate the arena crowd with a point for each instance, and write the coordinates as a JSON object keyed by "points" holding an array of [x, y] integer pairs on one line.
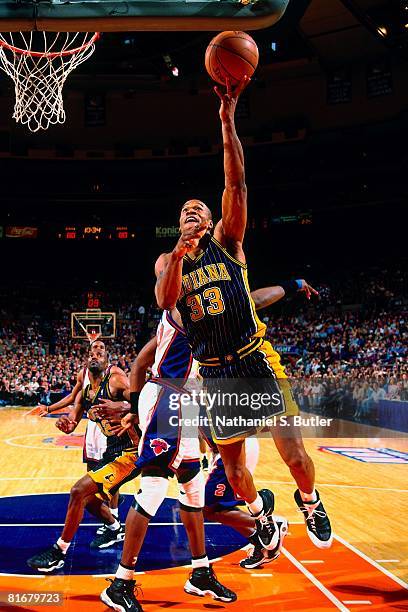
{"points": [[341, 358]]}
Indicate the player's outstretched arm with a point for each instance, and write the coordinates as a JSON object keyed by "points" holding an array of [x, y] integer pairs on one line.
{"points": [[68, 424], [266, 296], [143, 361], [231, 229], [269, 295], [65, 401]]}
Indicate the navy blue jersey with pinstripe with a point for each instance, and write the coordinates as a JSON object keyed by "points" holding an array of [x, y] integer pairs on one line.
{"points": [[215, 304], [114, 444]]}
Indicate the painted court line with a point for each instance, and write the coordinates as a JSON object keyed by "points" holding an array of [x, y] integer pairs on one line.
{"points": [[371, 561], [387, 561], [310, 561], [261, 575], [169, 524], [341, 486], [357, 602], [107, 575], [43, 478], [22, 575], [339, 605], [10, 442]]}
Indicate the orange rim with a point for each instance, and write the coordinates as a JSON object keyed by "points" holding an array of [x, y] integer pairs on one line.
{"points": [[51, 54]]}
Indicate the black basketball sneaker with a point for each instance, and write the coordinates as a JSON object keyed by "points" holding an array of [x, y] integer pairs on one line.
{"points": [[104, 527], [48, 561], [203, 581], [259, 555], [266, 528], [108, 537], [317, 522], [120, 596]]}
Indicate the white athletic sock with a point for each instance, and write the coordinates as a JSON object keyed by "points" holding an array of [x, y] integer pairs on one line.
{"points": [[256, 507], [114, 525], [63, 545], [309, 498], [125, 573], [200, 562], [115, 512]]}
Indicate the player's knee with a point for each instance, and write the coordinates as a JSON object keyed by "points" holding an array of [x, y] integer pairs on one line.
{"points": [[192, 492], [235, 475], [153, 490], [297, 459], [77, 491]]}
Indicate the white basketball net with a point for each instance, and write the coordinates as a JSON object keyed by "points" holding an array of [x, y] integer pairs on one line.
{"points": [[39, 64]]}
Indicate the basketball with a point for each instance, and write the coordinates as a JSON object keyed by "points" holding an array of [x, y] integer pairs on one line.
{"points": [[231, 55]]}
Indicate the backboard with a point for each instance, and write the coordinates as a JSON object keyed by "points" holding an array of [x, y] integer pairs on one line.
{"points": [[93, 324], [134, 15]]}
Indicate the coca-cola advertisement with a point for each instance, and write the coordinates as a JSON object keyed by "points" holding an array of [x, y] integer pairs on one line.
{"points": [[20, 231]]}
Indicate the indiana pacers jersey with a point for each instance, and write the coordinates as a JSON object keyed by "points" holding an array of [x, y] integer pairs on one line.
{"points": [[173, 358], [114, 443], [215, 304]]}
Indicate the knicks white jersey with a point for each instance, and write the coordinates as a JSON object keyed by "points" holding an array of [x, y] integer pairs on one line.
{"points": [[173, 357], [94, 440]]}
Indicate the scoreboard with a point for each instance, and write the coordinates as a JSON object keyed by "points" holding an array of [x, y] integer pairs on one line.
{"points": [[96, 232]]}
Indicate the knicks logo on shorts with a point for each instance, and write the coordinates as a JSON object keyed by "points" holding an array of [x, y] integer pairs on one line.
{"points": [[110, 477], [159, 446]]}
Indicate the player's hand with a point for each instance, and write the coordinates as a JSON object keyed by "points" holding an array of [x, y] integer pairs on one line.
{"points": [[65, 424], [229, 98], [129, 424], [129, 420], [308, 289], [115, 427], [43, 410], [110, 410], [190, 237]]}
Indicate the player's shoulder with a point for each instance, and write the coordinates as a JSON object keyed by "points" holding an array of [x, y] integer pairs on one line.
{"points": [[117, 370], [161, 262], [228, 244]]}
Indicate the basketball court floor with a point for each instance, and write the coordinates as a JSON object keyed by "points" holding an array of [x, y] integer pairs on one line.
{"points": [[364, 490]]}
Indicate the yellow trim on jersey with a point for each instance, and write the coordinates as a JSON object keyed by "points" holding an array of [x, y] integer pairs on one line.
{"points": [[191, 259], [224, 250], [242, 353], [85, 390], [108, 391], [260, 327], [273, 359]]}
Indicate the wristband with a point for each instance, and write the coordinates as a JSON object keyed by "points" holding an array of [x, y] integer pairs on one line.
{"points": [[134, 402], [291, 286]]}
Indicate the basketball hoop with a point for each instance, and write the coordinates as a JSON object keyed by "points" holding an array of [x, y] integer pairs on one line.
{"points": [[39, 64], [93, 336]]}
